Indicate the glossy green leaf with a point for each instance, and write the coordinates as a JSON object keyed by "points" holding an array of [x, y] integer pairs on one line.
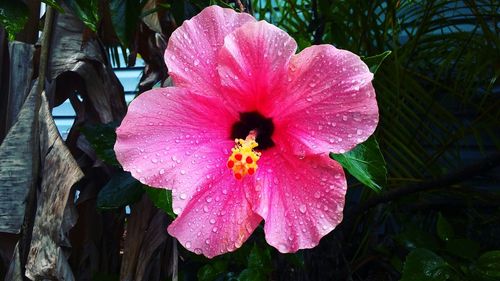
{"points": [[444, 229], [258, 266], [87, 11], [464, 248], [251, 274], [489, 264], [424, 265], [413, 237], [374, 62], [54, 5], [211, 271], [366, 163], [121, 190], [162, 199], [125, 16], [259, 258], [13, 16], [102, 138]]}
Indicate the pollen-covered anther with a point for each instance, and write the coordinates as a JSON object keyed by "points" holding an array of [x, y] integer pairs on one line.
{"points": [[243, 159]]}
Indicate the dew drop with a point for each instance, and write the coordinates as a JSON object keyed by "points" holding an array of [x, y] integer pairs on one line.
{"points": [[237, 244], [309, 99], [188, 245], [359, 131], [302, 208], [198, 251], [207, 241], [344, 117], [183, 196], [183, 172], [196, 62], [317, 195], [212, 221], [209, 199], [205, 209], [162, 171], [214, 230]]}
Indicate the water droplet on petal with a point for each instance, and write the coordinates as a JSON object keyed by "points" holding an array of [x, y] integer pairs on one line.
{"points": [[162, 171], [214, 230], [205, 209], [209, 199], [302, 208], [212, 221], [188, 244], [183, 196], [196, 62], [198, 251]]}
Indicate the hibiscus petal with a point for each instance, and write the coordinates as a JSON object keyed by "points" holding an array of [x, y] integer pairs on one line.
{"points": [[331, 103], [253, 65], [301, 200], [193, 48], [218, 219], [171, 138]]}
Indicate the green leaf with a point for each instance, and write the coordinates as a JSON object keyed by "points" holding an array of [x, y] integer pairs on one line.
{"points": [[489, 264], [366, 163], [125, 16], [162, 199], [102, 138], [444, 229], [259, 258], [212, 270], [87, 11], [13, 16], [54, 5], [374, 62], [422, 264], [122, 189], [251, 274], [464, 248], [414, 237], [258, 265]]}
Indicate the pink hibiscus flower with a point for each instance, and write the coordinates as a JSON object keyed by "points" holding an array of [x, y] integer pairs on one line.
{"points": [[236, 78]]}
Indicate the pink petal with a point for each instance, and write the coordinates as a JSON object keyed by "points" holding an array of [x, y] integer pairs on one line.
{"points": [[253, 65], [171, 138], [331, 103], [218, 219], [193, 48], [301, 200]]}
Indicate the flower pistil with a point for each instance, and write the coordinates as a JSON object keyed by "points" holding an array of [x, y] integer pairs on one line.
{"points": [[243, 159]]}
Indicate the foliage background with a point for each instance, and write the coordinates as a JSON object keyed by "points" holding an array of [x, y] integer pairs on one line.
{"points": [[436, 217]]}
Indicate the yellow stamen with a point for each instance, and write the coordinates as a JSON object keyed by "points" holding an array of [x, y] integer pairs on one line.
{"points": [[243, 160]]}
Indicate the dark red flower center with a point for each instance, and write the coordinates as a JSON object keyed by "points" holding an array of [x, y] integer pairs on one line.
{"points": [[263, 127]]}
